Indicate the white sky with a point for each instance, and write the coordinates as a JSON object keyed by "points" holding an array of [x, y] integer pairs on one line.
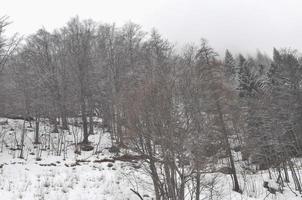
{"points": [[239, 25]]}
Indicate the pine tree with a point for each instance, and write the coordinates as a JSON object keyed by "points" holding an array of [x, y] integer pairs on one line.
{"points": [[285, 75], [245, 78], [251, 88], [229, 66]]}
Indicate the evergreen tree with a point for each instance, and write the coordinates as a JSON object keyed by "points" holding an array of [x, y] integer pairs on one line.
{"points": [[230, 66], [285, 75], [252, 91]]}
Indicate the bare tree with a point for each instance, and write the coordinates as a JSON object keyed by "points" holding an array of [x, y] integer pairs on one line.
{"points": [[7, 46], [80, 39]]}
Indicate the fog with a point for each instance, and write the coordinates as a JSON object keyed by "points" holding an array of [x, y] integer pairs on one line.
{"points": [[239, 25]]}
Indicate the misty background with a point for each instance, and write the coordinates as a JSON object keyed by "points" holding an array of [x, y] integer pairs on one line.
{"points": [[239, 25]]}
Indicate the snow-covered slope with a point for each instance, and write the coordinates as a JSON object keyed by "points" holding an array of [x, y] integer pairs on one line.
{"points": [[56, 178]]}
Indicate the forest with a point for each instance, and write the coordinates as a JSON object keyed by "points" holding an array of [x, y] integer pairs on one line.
{"points": [[185, 115]]}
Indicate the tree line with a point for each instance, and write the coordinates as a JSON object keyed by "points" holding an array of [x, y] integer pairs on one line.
{"points": [[182, 111]]}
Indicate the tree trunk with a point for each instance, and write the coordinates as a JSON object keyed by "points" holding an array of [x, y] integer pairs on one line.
{"points": [[84, 120], [182, 186], [154, 174], [119, 130], [22, 141], [236, 183], [64, 118], [169, 182], [236, 187], [27, 108], [295, 177], [91, 131], [155, 180], [55, 123], [37, 131], [286, 177], [197, 194]]}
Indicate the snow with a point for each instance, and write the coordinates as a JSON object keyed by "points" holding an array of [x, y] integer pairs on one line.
{"points": [[54, 178], [27, 179]]}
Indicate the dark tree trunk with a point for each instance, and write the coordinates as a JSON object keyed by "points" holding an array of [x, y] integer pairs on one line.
{"points": [[236, 187], [286, 177], [55, 124], [236, 183], [154, 174], [197, 197], [27, 108], [64, 118], [119, 130], [84, 120], [295, 177], [169, 176], [22, 141], [37, 140], [91, 131], [155, 180], [182, 186]]}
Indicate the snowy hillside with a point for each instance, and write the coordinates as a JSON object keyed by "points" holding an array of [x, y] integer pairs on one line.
{"points": [[55, 178], [96, 176]]}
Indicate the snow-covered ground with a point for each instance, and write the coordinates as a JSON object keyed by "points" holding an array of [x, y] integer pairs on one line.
{"points": [[56, 178]]}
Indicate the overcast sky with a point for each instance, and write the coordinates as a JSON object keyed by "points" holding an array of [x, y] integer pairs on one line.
{"points": [[239, 25]]}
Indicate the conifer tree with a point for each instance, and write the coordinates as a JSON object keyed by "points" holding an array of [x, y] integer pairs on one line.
{"points": [[230, 66]]}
